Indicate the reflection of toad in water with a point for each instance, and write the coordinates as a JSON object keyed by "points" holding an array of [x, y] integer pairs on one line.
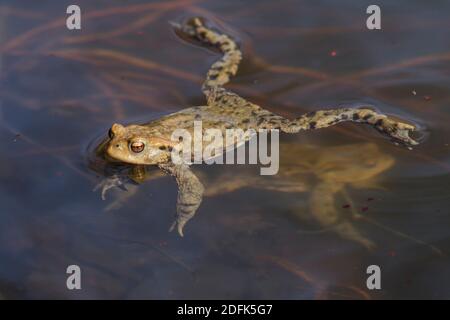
{"points": [[333, 169], [323, 172]]}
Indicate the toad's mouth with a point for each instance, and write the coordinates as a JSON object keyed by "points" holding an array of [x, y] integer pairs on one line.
{"points": [[126, 159], [110, 158]]}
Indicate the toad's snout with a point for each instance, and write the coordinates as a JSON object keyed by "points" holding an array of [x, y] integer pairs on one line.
{"points": [[115, 149]]}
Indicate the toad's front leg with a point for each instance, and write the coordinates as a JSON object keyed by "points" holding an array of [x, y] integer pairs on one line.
{"points": [[190, 193], [114, 181]]}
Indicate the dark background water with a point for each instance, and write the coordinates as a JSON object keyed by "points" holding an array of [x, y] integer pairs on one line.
{"points": [[61, 89]]}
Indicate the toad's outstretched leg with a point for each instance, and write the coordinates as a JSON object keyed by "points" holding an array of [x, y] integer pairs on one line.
{"points": [[220, 72], [397, 131], [190, 193], [253, 116]]}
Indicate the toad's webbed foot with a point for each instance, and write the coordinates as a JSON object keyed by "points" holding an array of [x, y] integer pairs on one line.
{"points": [[398, 131], [114, 181], [190, 194]]}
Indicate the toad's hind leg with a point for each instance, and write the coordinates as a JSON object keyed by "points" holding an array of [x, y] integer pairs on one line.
{"points": [[396, 130], [220, 72]]}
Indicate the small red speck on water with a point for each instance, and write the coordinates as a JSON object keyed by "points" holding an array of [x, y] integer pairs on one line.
{"points": [[364, 209], [346, 206], [163, 243], [370, 199], [59, 173], [140, 33], [392, 253], [427, 98], [333, 53]]}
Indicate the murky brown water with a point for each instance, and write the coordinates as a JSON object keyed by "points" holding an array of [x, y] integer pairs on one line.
{"points": [[60, 90]]}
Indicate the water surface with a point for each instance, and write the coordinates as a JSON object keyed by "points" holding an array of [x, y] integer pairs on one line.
{"points": [[62, 89]]}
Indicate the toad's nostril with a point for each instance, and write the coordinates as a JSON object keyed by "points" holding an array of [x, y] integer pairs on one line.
{"points": [[117, 145]]}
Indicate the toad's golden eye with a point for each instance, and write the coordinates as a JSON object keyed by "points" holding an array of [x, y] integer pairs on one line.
{"points": [[137, 146]]}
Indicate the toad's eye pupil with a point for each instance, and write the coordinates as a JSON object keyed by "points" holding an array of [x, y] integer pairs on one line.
{"points": [[137, 147]]}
